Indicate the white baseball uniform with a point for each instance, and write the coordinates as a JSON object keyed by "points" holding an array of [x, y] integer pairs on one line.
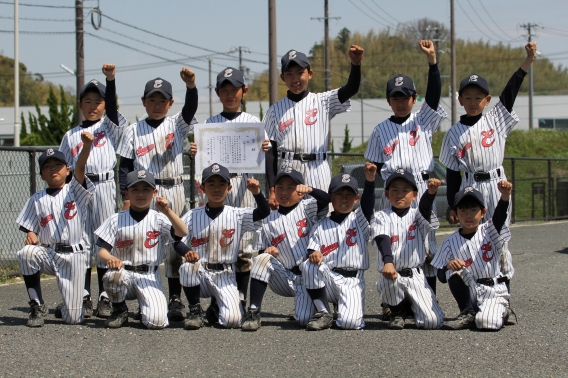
{"points": [[159, 151], [302, 127], [216, 242], [344, 246], [101, 162], [481, 148], [59, 219], [138, 243], [481, 255], [407, 235]]}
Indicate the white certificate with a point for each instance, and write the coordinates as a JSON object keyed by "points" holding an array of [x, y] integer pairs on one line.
{"points": [[237, 146]]}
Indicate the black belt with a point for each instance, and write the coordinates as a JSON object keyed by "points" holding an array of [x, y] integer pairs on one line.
{"points": [[304, 157], [96, 177], [64, 248], [209, 266], [169, 181], [491, 281], [296, 270], [483, 176], [346, 273], [425, 176], [139, 268], [407, 272], [233, 175]]}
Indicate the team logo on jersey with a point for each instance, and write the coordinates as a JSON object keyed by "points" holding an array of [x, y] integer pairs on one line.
{"points": [[412, 231], [169, 141], [158, 83], [388, 150], [141, 173], [75, 150], [277, 240], [152, 239], [284, 125], [302, 225], [309, 115], [45, 220], [473, 78], [345, 178], [215, 168], [398, 81], [351, 237], [292, 54], [100, 139], [195, 242], [327, 249], [468, 262], [49, 152], [227, 238], [462, 151], [486, 136], [141, 151], [70, 210], [124, 243], [468, 189], [228, 72], [394, 239], [413, 138], [487, 252]]}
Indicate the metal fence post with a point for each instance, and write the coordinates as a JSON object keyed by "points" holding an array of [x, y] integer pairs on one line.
{"points": [[550, 192], [514, 190], [33, 174], [192, 182]]}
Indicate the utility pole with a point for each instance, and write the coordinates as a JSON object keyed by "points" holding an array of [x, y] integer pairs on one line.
{"points": [[16, 77], [529, 27], [362, 127], [453, 72], [80, 55], [210, 89], [272, 58], [241, 49]]}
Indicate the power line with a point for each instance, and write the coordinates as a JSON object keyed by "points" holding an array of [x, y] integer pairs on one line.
{"points": [[496, 24], [37, 32], [366, 14], [378, 15], [385, 12], [474, 24], [38, 19], [484, 24], [38, 5]]}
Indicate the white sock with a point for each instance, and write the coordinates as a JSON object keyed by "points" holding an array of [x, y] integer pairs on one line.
{"points": [[253, 307], [103, 295], [320, 306], [33, 295], [86, 293]]}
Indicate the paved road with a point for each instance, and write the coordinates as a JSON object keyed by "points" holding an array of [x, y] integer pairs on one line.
{"points": [[538, 345]]}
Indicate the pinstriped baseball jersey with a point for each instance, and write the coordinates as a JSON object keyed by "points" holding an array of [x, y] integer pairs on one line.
{"points": [[302, 127], [60, 218], [216, 241], [480, 147], [481, 254], [157, 150], [242, 118], [137, 243], [289, 233], [103, 152], [407, 235], [407, 146], [343, 245]]}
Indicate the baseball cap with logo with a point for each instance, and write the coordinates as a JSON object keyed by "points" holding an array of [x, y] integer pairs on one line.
{"points": [[475, 80], [93, 84], [215, 170], [289, 172], [400, 83], [294, 56], [140, 175], [469, 191], [233, 76], [158, 85], [341, 181], [401, 174], [49, 154]]}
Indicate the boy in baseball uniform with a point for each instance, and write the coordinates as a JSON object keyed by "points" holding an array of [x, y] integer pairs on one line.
{"points": [[131, 244], [54, 221]]}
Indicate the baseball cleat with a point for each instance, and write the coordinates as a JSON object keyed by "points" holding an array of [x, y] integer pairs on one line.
{"points": [[251, 321], [319, 321], [194, 318], [36, 314]]}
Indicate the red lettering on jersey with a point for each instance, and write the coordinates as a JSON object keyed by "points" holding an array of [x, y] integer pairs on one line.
{"points": [[487, 249], [394, 239], [227, 238], [169, 141], [327, 249], [141, 151], [412, 231], [461, 152], [284, 125], [152, 239], [351, 237], [75, 151], [413, 139], [468, 262], [100, 139], [388, 150], [311, 114], [45, 220], [124, 243], [487, 135], [277, 240], [302, 224], [195, 242], [69, 207]]}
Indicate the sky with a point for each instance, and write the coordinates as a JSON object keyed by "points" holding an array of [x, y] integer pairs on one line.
{"points": [[215, 27]]}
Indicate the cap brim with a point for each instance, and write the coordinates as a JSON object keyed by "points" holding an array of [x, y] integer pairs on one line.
{"points": [[89, 86], [299, 63], [217, 174], [395, 176], [474, 84], [235, 83], [404, 91], [140, 180], [470, 194], [53, 157], [158, 90], [338, 188], [279, 176]]}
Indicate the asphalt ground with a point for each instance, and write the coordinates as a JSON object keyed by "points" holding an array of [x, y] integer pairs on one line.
{"points": [[536, 346]]}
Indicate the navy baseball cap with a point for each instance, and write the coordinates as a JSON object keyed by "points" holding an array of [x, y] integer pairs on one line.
{"points": [[400, 83], [294, 56], [476, 80], [402, 174], [158, 85], [140, 175], [469, 191], [289, 172], [93, 84], [341, 181], [215, 170], [233, 76], [51, 153]]}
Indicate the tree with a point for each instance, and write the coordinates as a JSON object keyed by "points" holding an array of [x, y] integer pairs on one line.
{"points": [[261, 113], [342, 40], [346, 141]]}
